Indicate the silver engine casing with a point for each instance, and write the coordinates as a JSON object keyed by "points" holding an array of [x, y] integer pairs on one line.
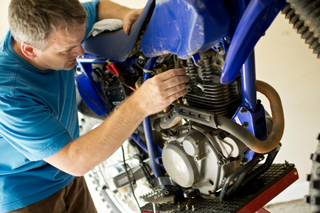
{"points": [[195, 158]]}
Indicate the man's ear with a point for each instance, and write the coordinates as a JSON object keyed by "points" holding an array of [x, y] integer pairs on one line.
{"points": [[28, 50]]}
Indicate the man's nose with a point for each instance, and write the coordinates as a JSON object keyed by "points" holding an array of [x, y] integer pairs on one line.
{"points": [[79, 51]]}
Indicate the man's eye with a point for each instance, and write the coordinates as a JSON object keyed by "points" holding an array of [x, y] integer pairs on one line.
{"points": [[65, 52]]}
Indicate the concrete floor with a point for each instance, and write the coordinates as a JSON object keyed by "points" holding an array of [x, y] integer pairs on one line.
{"points": [[297, 206]]}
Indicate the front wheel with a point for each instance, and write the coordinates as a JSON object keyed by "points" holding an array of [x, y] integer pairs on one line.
{"points": [[100, 179]]}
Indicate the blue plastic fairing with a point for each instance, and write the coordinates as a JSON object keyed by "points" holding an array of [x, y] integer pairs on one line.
{"points": [[185, 27]]}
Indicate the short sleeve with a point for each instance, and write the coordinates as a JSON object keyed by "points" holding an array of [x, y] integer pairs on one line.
{"points": [[92, 18], [31, 128]]}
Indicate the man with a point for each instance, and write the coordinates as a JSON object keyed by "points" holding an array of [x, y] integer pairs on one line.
{"points": [[40, 151]]}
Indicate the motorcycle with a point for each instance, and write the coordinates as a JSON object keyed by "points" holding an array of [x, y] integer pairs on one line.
{"points": [[213, 140]]}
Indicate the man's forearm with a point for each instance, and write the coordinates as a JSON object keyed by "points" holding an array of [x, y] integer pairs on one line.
{"points": [[108, 9], [84, 153]]}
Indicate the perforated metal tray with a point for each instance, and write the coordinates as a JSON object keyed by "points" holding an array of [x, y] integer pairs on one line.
{"points": [[249, 198]]}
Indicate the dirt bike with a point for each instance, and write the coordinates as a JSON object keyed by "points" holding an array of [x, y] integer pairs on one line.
{"points": [[213, 140]]}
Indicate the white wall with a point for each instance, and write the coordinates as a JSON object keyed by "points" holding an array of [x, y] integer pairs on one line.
{"points": [[3, 17], [285, 62]]}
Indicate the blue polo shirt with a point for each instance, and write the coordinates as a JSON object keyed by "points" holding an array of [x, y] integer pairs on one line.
{"points": [[38, 116]]}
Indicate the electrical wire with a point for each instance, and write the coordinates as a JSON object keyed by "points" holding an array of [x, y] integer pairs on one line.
{"points": [[131, 186]]}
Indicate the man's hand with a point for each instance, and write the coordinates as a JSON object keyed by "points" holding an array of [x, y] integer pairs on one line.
{"points": [[160, 91], [108, 9], [130, 18]]}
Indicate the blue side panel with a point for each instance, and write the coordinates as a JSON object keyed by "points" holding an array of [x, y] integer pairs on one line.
{"points": [[88, 89], [185, 27], [255, 21], [90, 96]]}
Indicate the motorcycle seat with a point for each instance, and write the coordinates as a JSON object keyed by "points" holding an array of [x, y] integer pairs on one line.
{"points": [[116, 45]]}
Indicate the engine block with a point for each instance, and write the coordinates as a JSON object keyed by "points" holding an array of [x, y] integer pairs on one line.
{"points": [[200, 159]]}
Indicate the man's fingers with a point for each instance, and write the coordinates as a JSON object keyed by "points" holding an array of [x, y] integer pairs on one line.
{"points": [[172, 82], [130, 19], [175, 90], [171, 73], [177, 95], [126, 28]]}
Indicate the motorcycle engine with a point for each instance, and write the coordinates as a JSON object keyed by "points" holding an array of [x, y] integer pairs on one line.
{"points": [[197, 156], [201, 159]]}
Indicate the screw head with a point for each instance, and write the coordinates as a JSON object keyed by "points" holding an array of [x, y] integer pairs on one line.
{"points": [[245, 124], [243, 110], [220, 49]]}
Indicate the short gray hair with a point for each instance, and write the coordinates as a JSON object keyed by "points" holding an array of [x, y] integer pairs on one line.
{"points": [[32, 21]]}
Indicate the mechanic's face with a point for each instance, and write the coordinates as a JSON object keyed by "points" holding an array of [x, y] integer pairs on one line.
{"points": [[64, 47]]}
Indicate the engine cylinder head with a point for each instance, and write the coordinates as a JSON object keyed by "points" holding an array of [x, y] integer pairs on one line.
{"points": [[206, 90]]}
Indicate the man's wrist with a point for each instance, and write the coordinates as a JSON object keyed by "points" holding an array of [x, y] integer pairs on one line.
{"points": [[137, 103]]}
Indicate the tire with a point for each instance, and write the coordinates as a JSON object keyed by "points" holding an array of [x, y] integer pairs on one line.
{"points": [[101, 199], [122, 199], [314, 186], [303, 18]]}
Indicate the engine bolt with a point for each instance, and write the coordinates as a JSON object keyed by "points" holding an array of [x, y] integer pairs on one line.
{"points": [[208, 118], [245, 124], [165, 120], [220, 49], [193, 208], [187, 207], [243, 110]]}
